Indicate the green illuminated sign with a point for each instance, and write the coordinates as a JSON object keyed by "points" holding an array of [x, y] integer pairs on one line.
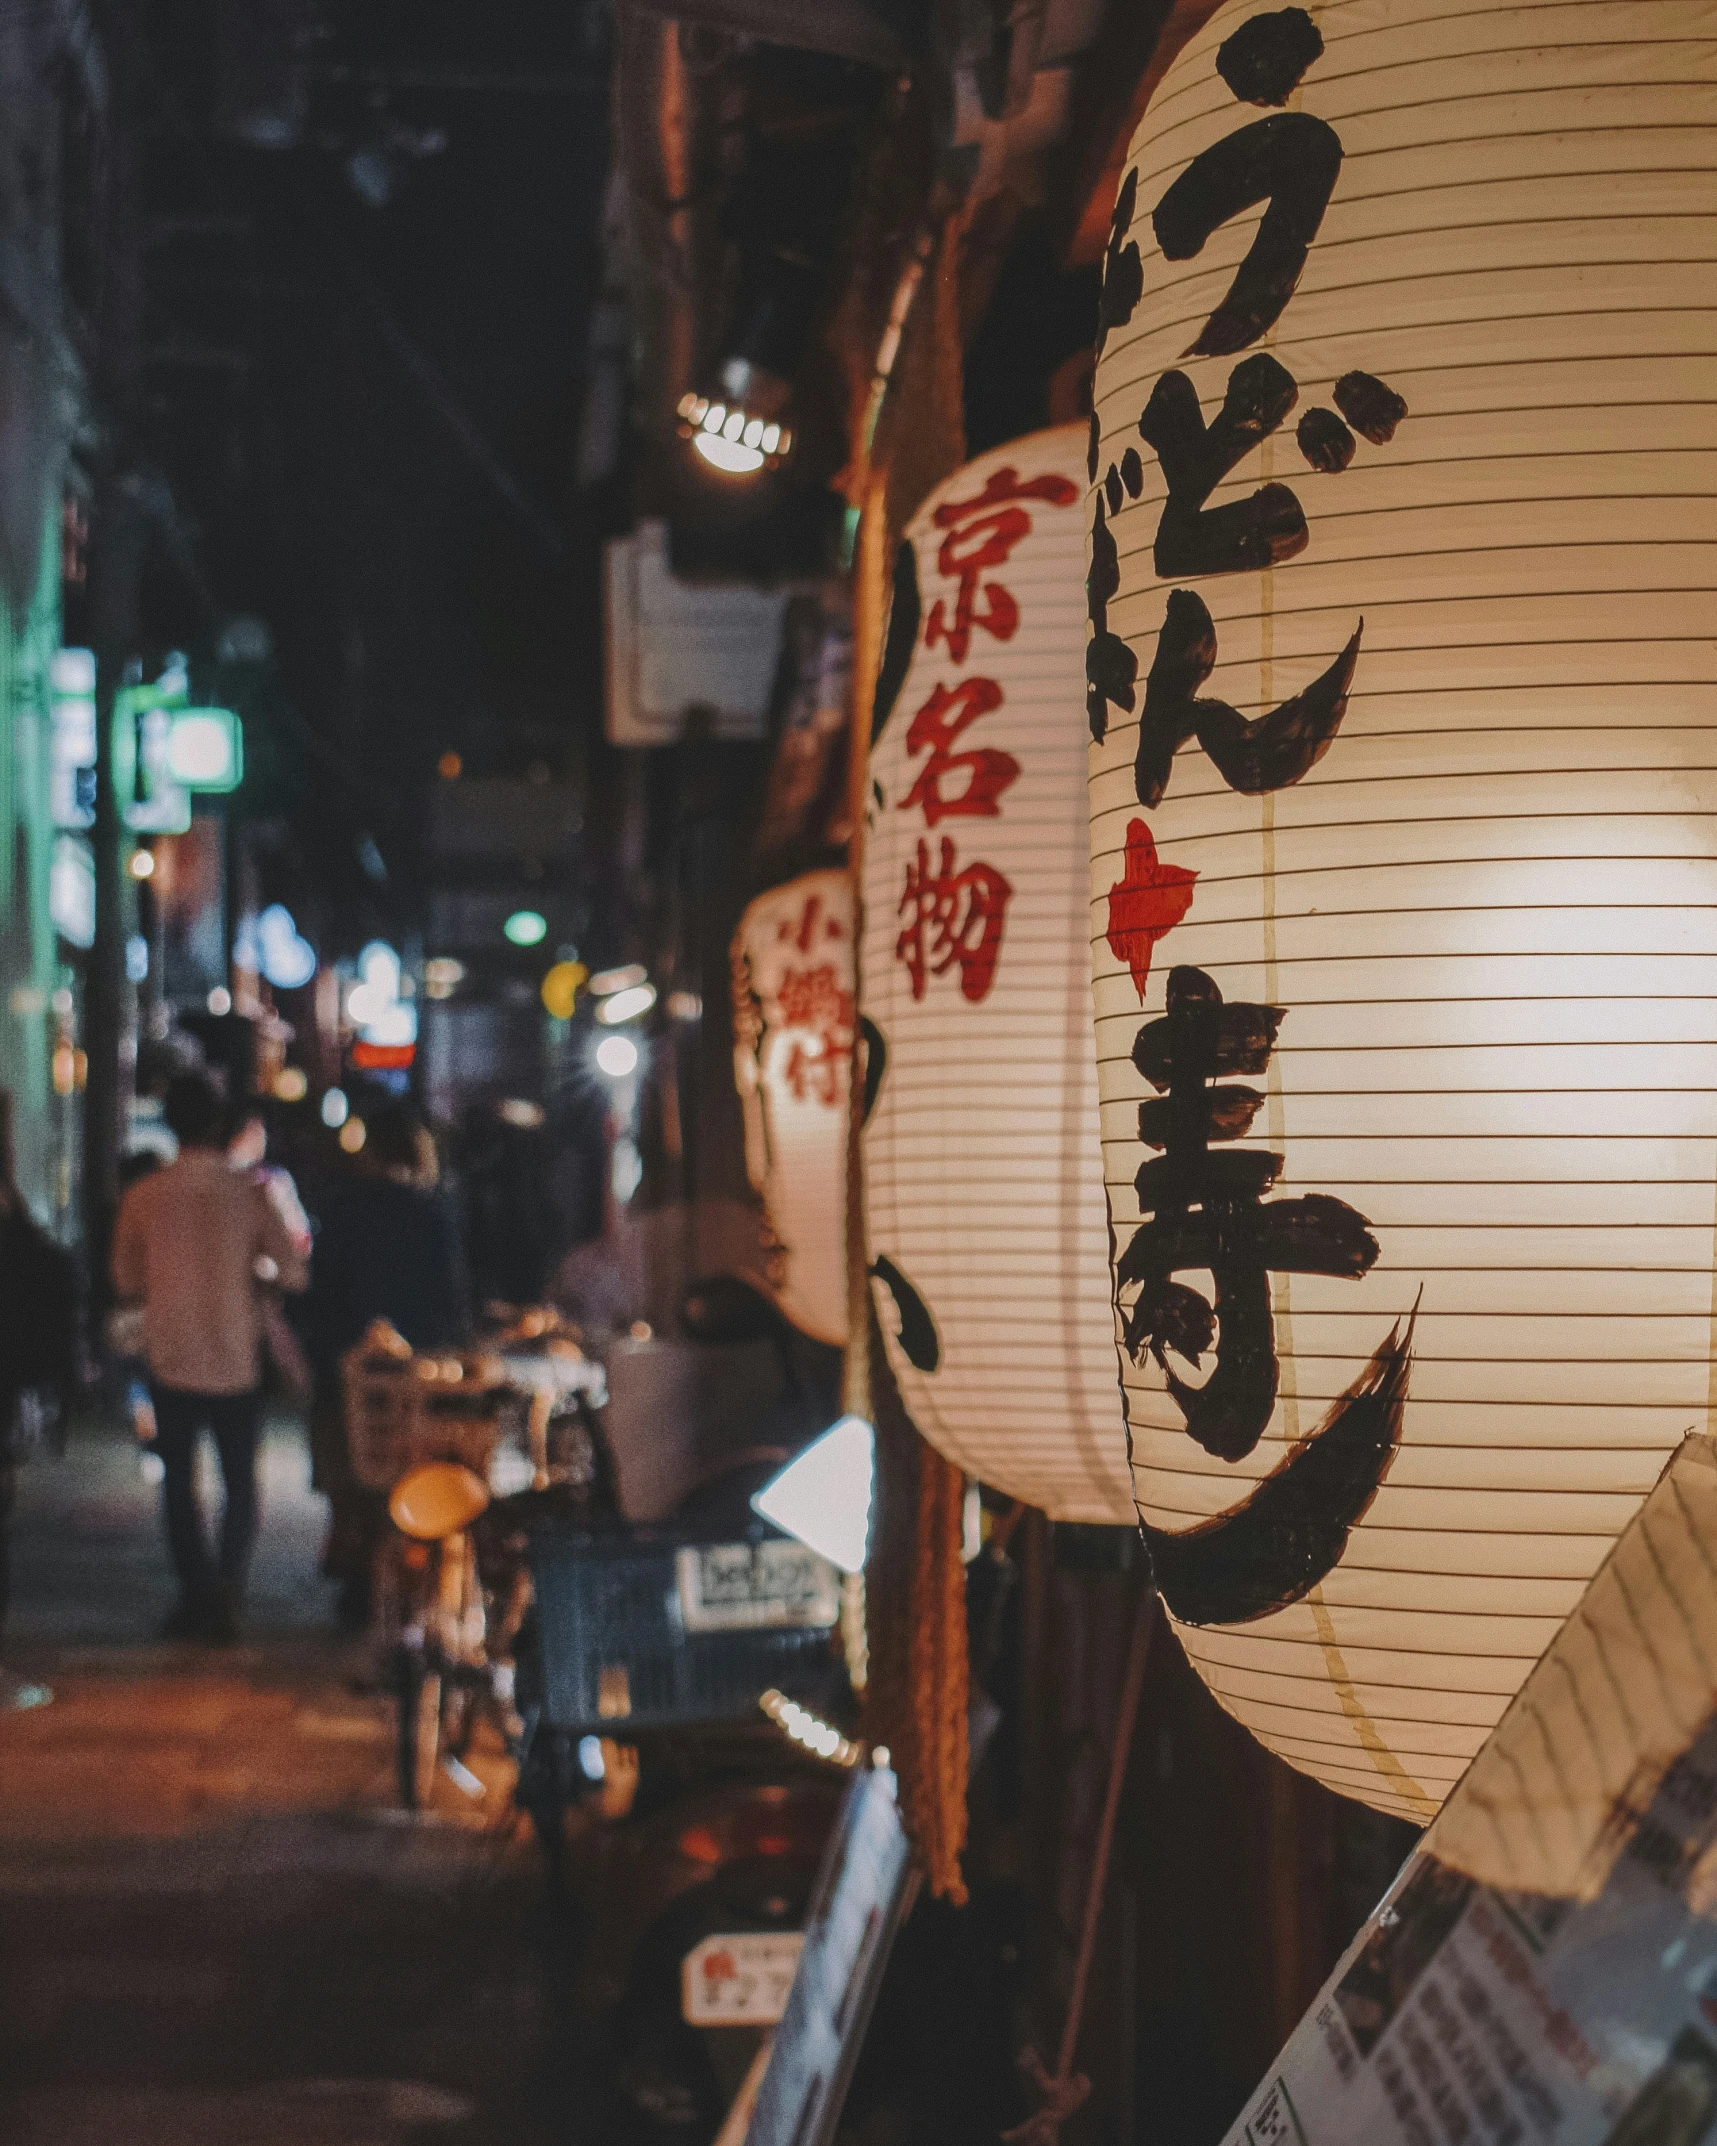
{"points": [[205, 749], [163, 751], [150, 801]]}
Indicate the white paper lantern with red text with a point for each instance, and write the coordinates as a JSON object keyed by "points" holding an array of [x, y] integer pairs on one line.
{"points": [[793, 1043], [983, 1176], [1404, 839]]}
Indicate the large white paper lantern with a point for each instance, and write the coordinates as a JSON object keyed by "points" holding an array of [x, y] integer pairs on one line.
{"points": [[1401, 673], [792, 1057], [983, 1175]]}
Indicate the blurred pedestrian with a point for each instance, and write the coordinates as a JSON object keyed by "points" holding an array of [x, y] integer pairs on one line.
{"points": [[38, 1356], [247, 1150], [388, 1247], [512, 1231], [123, 1329], [194, 1243]]}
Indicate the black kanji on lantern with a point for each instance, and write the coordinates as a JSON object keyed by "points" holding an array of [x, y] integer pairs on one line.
{"points": [[1193, 539], [1205, 1210], [1252, 756], [1123, 271], [1111, 668], [1289, 161]]}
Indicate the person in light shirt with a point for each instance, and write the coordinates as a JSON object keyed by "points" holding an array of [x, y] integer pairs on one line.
{"points": [[194, 1244]]}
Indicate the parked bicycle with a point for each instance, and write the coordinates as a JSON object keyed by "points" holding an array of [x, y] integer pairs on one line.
{"points": [[446, 1678], [470, 1448]]}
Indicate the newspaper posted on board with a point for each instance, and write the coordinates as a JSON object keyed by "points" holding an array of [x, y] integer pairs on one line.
{"points": [[1544, 1971]]}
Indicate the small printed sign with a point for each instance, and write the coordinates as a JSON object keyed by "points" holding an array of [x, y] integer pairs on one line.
{"points": [[741, 1980], [746, 1587], [1543, 1967]]}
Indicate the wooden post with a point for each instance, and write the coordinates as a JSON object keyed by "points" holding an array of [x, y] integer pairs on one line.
{"points": [[870, 618]]}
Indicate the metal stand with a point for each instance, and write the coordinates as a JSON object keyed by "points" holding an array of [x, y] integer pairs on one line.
{"points": [[1067, 2089]]}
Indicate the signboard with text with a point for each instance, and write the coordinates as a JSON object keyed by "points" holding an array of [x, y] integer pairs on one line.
{"points": [[862, 1894], [739, 1980]]}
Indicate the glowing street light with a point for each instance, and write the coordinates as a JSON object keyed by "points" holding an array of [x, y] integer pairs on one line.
{"points": [[275, 946], [626, 1005], [617, 1056], [560, 988], [376, 1005], [525, 927]]}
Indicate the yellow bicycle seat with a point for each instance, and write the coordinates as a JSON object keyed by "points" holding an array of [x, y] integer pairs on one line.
{"points": [[436, 1500]]}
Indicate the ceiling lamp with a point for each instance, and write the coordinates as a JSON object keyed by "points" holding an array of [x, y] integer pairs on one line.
{"points": [[739, 432]]}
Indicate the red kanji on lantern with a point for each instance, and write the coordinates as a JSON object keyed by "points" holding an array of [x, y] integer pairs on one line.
{"points": [[936, 729], [812, 925], [1148, 899], [952, 916], [982, 533], [813, 999]]}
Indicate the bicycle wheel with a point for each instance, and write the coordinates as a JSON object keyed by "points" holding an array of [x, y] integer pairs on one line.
{"points": [[419, 1730], [459, 1705]]}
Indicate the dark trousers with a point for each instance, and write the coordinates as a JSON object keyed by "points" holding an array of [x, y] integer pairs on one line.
{"points": [[10, 1397], [234, 1419], [8, 1497]]}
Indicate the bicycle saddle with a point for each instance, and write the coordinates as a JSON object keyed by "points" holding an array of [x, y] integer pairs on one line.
{"points": [[436, 1500]]}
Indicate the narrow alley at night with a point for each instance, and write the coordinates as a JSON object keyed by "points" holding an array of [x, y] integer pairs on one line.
{"points": [[858, 1073]]}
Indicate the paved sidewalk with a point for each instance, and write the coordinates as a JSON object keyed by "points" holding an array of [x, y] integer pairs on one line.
{"points": [[214, 1926]]}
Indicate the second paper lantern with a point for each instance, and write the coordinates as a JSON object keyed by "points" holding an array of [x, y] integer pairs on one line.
{"points": [[983, 1177], [792, 959]]}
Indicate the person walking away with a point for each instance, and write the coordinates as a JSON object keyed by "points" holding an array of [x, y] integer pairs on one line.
{"points": [[192, 1245], [511, 1229], [247, 1150], [38, 1356], [388, 1246]]}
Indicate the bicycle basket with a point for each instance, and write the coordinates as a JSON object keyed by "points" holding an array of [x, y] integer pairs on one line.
{"points": [[619, 1656], [398, 1416]]}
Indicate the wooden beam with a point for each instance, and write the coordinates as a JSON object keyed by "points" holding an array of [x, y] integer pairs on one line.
{"points": [[846, 29], [1117, 79]]}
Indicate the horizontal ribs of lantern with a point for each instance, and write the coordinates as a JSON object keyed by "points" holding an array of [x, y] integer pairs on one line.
{"points": [[982, 1173], [1491, 908]]}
